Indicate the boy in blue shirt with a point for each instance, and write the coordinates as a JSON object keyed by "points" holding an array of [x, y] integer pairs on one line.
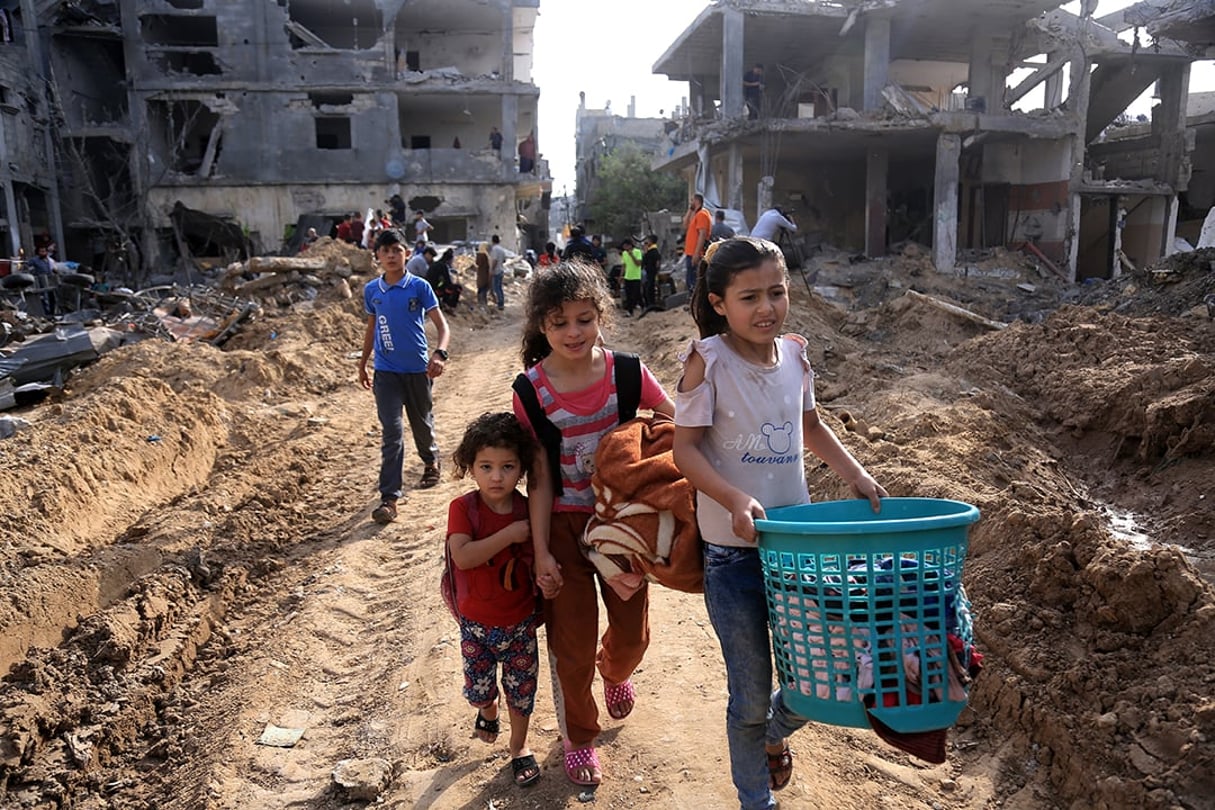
{"points": [[397, 305]]}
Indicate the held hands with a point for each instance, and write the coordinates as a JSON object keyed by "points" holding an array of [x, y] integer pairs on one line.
{"points": [[866, 487], [743, 513], [548, 575]]}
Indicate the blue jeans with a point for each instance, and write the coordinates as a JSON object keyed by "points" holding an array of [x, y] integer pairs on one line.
{"points": [[499, 295], [411, 393], [755, 715], [689, 273]]}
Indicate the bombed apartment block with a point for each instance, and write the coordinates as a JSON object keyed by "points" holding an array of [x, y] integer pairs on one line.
{"points": [[29, 197], [951, 123], [255, 113]]}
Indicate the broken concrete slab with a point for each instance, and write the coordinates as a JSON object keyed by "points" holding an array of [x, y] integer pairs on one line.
{"points": [[362, 779]]}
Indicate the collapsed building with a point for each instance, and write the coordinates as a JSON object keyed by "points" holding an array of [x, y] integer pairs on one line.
{"points": [[864, 131], [204, 127]]}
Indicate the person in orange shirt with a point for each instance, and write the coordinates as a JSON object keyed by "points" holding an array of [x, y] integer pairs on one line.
{"points": [[697, 238]]}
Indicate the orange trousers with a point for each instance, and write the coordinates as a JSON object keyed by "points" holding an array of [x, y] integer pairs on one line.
{"points": [[572, 627]]}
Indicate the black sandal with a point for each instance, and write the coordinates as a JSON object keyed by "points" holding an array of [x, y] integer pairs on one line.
{"points": [[483, 723], [526, 770]]}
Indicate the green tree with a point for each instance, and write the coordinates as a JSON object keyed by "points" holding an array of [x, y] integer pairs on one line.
{"points": [[627, 188]]}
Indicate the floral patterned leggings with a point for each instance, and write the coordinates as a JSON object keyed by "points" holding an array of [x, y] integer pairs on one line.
{"points": [[514, 647]]}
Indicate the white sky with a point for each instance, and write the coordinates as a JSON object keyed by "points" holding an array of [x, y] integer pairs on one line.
{"points": [[609, 50]]}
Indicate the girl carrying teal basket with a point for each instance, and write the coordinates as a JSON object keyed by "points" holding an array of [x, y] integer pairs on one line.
{"points": [[744, 415]]}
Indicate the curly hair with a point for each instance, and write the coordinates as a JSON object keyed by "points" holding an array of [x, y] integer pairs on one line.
{"points": [[568, 281], [501, 430]]}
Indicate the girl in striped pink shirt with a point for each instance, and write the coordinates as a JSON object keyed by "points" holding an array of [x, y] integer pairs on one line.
{"points": [[572, 393]]}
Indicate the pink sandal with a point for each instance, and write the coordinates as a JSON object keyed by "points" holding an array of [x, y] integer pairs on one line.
{"points": [[582, 759], [616, 695]]}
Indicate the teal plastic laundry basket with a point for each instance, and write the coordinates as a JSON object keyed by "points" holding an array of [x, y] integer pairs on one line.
{"points": [[862, 606]]}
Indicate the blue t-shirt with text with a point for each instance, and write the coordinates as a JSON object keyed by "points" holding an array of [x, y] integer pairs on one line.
{"points": [[400, 317]]}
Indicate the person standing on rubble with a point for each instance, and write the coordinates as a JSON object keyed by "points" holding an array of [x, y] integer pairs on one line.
{"points": [[421, 228], [699, 226], [398, 304], [753, 90], [497, 269], [43, 269]]}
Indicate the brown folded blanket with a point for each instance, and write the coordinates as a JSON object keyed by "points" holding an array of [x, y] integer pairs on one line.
{"points": [[644, 526]]}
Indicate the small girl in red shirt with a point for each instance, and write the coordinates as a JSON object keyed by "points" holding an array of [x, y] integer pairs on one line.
{"points": [[489, 540]]}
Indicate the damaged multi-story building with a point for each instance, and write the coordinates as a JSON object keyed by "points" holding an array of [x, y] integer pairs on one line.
{"points": [[30, 193], [190, 126], [889, 120]]}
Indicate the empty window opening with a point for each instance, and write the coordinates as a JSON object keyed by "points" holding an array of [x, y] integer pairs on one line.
{"points": [[413, 61], [331, 99], [333, 133], [187, 5], [87, 78], [350, 25], [196, 63], [100, 169], [185, 134], [419, 141], [179, 29]]}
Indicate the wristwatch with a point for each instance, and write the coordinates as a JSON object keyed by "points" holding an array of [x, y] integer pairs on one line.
{"points": [[442, 354]]}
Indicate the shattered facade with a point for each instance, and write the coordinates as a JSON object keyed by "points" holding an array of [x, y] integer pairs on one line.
{"points": [[253, 114], [889, 120], [30, 195]]}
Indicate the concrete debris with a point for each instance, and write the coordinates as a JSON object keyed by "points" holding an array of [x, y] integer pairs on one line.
{"points": [[1206, 238], [362, 779], [11, 425], [279, 737]]}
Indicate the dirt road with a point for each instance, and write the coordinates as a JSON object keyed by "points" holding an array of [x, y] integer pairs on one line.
{"points": [[188, 558]]}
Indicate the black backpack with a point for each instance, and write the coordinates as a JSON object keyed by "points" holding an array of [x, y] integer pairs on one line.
{"points": [[627, 374]]}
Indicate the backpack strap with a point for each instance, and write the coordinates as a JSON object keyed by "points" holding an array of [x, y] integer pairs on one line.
{"points": [[546, 431], [472, 512], [628, 385]]}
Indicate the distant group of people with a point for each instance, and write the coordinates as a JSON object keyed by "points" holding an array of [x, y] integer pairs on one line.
{"points": [[516, 562], [700, 231]]}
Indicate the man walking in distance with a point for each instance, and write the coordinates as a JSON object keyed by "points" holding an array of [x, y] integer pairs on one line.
{"points": [[697, 238], [497, 269], [397, 305]]}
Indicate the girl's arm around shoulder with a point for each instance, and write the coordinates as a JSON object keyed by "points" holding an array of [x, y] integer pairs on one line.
{"points": [[822, 442]]}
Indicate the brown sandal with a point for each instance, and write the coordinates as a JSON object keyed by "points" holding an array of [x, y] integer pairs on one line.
{"points": [[385, 513], [430, 476], [780, 768]]}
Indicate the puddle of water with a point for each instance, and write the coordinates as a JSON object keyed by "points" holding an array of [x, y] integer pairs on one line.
{"points": [[1125, 526]]}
